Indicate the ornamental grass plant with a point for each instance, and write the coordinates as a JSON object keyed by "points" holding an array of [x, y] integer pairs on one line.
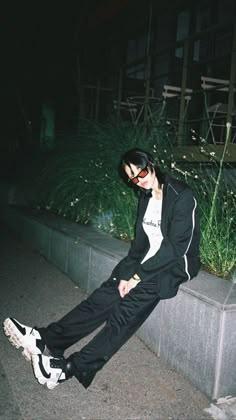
{"points": [[82, 184], [217, 202], [218, 243]]}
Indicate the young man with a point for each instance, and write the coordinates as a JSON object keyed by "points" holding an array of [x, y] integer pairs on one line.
{"points": [[164, 254]]}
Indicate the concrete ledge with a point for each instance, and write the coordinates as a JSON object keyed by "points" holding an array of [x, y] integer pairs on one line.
{"points": [[195, 331]]}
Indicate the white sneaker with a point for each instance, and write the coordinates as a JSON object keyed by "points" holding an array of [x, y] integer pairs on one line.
{"points": [[20, 335], [50, 371]]}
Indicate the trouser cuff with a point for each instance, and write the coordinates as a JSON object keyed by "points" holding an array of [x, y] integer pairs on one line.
{"points": [[82, 374]]}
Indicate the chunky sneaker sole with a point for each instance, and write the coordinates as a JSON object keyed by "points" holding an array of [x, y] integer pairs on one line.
{"points": [[49, 371], [20, 335]]}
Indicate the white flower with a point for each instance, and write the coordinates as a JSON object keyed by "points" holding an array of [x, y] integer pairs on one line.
{"points": [[71, 204], [184, 157], [85, 180], [196, 176], [212, 153]]}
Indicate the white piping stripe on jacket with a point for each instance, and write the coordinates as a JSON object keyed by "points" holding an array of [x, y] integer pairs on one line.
{"points": [[186, 267], [185, 257], [169, 185]]}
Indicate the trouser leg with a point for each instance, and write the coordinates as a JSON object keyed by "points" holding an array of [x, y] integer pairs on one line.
{"points": [[82, 320], [124, 319]]}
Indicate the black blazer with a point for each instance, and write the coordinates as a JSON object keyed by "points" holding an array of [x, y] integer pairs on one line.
{"points": [[177, 259]]}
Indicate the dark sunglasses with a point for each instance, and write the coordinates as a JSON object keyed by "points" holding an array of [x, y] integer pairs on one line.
{"points": [[141, 174]]}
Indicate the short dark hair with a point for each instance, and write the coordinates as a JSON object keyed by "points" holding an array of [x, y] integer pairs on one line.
{"points": [[142, 159]]}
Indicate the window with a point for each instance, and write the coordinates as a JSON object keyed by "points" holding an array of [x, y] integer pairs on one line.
{"points": [[182, 31], [203, 21], [136, 49]]}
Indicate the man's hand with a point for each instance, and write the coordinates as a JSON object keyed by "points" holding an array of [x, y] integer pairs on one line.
{"points": [[125, 286]]}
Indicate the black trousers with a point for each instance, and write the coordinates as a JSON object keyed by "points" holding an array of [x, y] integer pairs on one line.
{"points": [[122, 318]]}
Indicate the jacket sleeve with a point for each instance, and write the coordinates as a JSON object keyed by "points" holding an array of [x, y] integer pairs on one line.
{"points": [[178, 239]]}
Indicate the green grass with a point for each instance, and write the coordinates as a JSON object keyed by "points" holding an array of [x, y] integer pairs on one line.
{"points": [[218, 242]]}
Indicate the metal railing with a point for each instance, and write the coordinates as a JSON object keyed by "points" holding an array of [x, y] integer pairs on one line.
{"points": [[181, 77]]}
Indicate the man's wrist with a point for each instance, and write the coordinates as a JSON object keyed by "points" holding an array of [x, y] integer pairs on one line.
{"points": [[136, 277]]}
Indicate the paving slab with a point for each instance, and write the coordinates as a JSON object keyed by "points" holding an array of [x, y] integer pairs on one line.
{"points": [[134, 384]]}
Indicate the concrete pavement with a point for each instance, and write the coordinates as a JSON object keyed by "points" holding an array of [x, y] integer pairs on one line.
{"points": [[135, 383]]}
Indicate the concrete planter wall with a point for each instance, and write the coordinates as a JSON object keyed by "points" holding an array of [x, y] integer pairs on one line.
{"points": [[195, 331]]}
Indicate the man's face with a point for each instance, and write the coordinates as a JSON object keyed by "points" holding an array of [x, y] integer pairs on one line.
{"points": [[142, 177]]}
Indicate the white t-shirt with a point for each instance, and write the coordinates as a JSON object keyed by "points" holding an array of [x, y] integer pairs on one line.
{"points": [[152, 226]]}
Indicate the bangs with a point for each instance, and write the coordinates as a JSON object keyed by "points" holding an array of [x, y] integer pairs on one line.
{"points": [[137, 158]]}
